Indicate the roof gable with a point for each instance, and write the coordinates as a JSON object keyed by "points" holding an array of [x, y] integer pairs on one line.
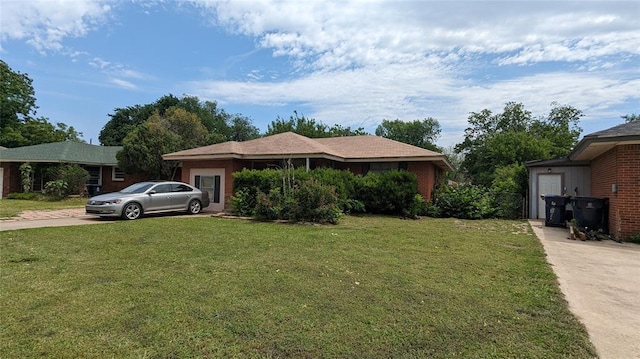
{"points": [[62, 152]]}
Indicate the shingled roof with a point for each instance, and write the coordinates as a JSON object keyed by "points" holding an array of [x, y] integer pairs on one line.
{"points": [[62, 152], [292, 145], [597, 143]]}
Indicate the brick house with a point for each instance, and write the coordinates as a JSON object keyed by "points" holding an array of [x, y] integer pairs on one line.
{"points": [[99, 161], [604, 164], [614, 156], [211, 167]]}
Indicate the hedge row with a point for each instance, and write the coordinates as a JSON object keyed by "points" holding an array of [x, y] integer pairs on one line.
{"points": [[322, 194]]}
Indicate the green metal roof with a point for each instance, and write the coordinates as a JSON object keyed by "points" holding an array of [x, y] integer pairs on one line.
{"points": [[62, 152]]}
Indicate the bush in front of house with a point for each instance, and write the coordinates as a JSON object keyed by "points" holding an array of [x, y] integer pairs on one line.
{"points": [[466, 201], [309, 201], [301, 195], [391, 192]]}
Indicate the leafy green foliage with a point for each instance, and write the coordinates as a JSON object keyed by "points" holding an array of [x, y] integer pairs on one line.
{"points": [[514, 136], [465, 201], [56, 189], [391, 192], [220, 125], [310, 128], [143, 148], [507, 189], [26, 176], [276, 191], [315, 202], [18, 124], [418, 133], [28, 196], [74, 176]]}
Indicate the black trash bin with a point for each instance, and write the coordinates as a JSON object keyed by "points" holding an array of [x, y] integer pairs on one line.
{"points": [[93, 190], [591, 213], [556, 210]]}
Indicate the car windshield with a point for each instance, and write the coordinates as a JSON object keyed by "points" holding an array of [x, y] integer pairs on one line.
{"points": [[137, 188]]}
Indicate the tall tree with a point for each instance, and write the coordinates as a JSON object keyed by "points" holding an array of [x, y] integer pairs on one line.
{"points": [[220, 125], [18, 124], [309, 127], [173, 131], [514, 137], [422, 134]]}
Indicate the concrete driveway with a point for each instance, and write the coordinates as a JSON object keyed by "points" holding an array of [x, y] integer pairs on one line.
{"points": [[601, 282]]}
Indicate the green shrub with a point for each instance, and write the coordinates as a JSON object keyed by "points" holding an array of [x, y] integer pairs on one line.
{"points": [[508, 189], [56, 189], [30, 196], [391, 192], [465, 201], [315, 202], [243, 203], [345, 184], [74, 176]]}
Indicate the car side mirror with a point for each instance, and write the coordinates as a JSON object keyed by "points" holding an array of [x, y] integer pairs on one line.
{"points": [[153, 191]]}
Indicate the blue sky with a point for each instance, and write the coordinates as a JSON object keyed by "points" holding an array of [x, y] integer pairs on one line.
{"points": [[352, 63]]}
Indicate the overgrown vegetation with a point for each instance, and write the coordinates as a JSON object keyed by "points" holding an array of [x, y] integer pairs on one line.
{"points": [[322, 194], [370, 287]]}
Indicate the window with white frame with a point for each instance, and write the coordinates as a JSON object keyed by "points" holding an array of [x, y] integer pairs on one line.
{"points": [[117, 174]]}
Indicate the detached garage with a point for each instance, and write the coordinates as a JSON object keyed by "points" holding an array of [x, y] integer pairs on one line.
{"points": [[604, 164]]}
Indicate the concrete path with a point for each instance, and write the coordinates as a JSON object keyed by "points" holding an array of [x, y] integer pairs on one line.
{"points": [[601, 282]]}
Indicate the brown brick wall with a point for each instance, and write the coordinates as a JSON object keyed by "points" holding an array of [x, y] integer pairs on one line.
{"points": [[619, 166], [426, 173]]}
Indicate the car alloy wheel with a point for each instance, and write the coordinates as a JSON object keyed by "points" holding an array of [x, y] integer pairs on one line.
{"points": [[195, 207], [132, 211]]}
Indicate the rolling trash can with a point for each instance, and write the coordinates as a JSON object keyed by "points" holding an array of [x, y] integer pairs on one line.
{"points": [[591, 213], [556, 210]]}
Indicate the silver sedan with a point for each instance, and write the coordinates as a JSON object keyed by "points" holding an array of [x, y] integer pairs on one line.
{"points": [[148, 197]]}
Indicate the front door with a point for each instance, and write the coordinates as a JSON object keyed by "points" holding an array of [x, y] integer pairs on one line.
{"points": [[548, 184], [210, 180]]}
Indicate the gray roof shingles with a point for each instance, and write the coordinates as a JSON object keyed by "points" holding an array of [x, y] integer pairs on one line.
{"points": [[62, 152]]}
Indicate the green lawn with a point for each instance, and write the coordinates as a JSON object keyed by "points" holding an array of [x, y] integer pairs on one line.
{"points": [[370, 287], [13, 207]]}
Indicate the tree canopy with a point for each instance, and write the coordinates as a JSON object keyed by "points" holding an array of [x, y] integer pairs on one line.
{"points": [[514, 137], [422, 134], [220, 125], [175, 130], [310, 128], [18, 124]]}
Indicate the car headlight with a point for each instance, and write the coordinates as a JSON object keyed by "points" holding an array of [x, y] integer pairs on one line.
{"points": [[113, 201]]}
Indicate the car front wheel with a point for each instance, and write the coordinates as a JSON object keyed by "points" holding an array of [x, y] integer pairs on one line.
{"points": [[195, 207], [132, 211]]}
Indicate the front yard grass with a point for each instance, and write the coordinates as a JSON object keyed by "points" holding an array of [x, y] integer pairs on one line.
{"points": [[370, 287], [13, 207]]}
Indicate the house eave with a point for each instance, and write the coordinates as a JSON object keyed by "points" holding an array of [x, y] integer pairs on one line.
{"points": [[592, 147]]}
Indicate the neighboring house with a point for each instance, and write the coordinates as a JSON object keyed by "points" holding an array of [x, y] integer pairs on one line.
{"points": [[604, 164], [211, 167], [99, 161]]}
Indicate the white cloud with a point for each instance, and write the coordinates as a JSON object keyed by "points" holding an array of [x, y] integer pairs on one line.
{"points": [[124, 84], [44, 24], [337, 35]]}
